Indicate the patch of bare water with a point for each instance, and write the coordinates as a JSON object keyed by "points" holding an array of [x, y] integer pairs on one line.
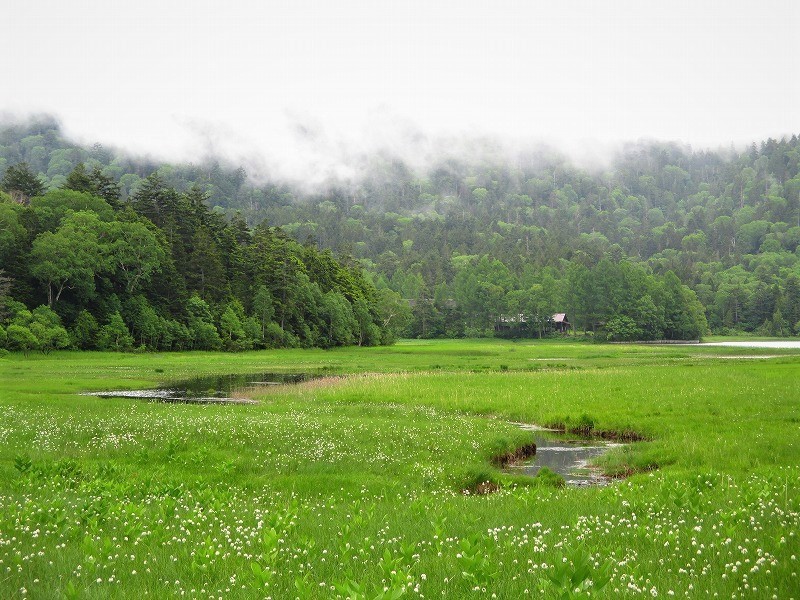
{"points": [[566, 454], [214, 389], [774, 344]]}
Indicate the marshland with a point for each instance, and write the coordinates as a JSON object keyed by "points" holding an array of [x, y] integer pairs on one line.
{"points": [[365, 480]]}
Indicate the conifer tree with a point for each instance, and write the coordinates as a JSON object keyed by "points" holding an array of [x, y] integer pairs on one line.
{"points": [[22, 183]]}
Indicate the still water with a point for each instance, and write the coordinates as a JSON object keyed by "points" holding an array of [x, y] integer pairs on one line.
{"points": [[565, 454], [777, 344], [212, 389]]}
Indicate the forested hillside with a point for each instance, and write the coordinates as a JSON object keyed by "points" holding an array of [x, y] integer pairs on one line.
{"points": [[161, 270], [662, 242]]}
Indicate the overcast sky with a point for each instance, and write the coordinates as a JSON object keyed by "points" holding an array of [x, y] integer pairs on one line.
{"points": [[304, 82]]}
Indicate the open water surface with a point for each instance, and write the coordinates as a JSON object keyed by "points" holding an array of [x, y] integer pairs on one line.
{"points": [[212, 389], [776, 344], [565, 454]]}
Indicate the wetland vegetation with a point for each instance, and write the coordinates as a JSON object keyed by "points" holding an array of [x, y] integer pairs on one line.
{"points": [[352, 484]]}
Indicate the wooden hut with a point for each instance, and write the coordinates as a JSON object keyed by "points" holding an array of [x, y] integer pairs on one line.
{"points": [[561, 323]]}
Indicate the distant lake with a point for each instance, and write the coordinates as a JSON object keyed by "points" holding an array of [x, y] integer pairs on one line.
{"points": [[754, 344]]}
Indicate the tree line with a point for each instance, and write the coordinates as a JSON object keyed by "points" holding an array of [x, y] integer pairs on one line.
{"points": [[620, 301], [726, 223], [162, 271]]}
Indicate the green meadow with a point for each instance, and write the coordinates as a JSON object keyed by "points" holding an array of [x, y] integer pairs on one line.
{"points": [[364, 481]]}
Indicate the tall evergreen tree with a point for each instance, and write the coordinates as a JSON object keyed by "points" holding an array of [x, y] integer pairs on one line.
{"points": [[158, 202], [94, 182], [22, 183]]}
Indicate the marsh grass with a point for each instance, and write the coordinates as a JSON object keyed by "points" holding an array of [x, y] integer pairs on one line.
{"points": [[352, 485]]}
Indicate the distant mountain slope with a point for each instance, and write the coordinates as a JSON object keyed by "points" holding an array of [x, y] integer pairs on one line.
{"points": [[726, 223]]}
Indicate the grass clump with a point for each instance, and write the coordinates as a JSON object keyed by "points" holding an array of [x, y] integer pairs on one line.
{"points": [[583, 425], [478, 479], [548, 478]]}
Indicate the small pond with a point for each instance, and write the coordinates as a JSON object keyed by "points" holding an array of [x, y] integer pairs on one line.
{"points": [[565, 454], [211, 389]]}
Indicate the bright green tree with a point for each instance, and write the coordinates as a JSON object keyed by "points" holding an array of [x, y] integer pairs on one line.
{"points": [[263, 309], [203, 332], [135, 252], [115, 335], [70, 257], [337, 314], [46, 326], [21, 338], [12, 235], [84, 331], [231, 329], [394, 314], [53, 207], [145, 322]]}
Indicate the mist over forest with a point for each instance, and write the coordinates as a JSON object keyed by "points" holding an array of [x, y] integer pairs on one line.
{"points": [[433, 238]]}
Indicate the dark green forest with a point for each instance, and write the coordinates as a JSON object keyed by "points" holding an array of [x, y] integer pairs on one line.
{"points": [[159, 270], [102, 249]]}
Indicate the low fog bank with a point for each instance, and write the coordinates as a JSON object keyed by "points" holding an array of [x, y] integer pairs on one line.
{"points": [[311, 158]]}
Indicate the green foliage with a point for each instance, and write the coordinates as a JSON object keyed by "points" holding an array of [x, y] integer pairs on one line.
{"points": [[476, 479], [201, 326], [94, 183], [84, 331], [40, 329], [136, 252], [179, 274], [476, 561], [115, 335], [263, 309], [548, 478], [12, 232], [46, 326], [466, 249], [21, 338], [621, 328], [577, 576], [337, 315], [69, 258], [54, 206], [20, 181], [231, 329], [275, 336], [583, 425], [394, 315], [147, 327]]}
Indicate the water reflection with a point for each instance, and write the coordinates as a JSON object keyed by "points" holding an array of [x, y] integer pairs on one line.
{"points": [[209, 389], [565, 454]]}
